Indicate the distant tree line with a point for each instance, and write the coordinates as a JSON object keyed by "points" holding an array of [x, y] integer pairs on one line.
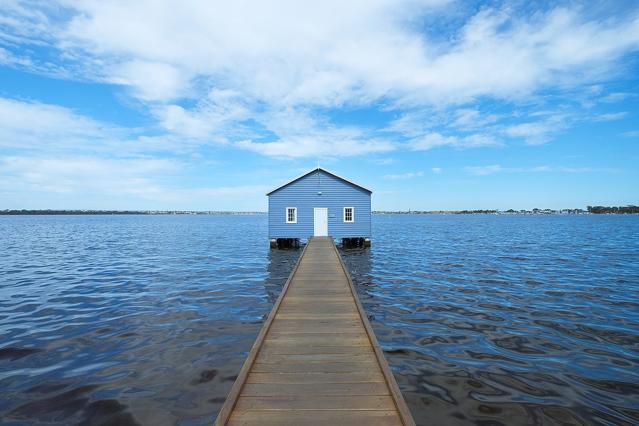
{"points": [[119, 212], [68, 212], [436, 212], [613, 210]]}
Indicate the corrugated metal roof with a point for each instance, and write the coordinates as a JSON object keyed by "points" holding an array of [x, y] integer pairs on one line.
{"points": [[315, 170]]}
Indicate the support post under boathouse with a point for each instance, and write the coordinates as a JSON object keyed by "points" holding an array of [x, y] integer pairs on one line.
{"points": [[319, 203], [316, 360]]}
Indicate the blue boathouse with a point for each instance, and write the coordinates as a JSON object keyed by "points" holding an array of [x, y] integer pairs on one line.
{"points": [[319, 203]]}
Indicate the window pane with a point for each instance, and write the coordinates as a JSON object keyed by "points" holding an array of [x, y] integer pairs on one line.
{"points": [[348, 214]]}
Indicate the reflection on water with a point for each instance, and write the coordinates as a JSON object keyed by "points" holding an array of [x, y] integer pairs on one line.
{"points": [[484, 319], [280, 265]]}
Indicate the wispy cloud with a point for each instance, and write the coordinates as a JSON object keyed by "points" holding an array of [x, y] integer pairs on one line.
{"points": [[81, 175], [496, 168], [402, 176], [28, 125], [301, 134], [385, 161], [470, 118], [316, 146], [612, 116], [95, 181], [537, 132], [434, 140], [216, 116], [437, 170], [617, 97], [484, 170]]}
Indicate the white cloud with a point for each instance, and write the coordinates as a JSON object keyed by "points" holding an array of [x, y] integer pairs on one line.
{"points": [[151, 81], [8, 58], [301, 134], [537, 132], [229, 191], [501, 55], [468, 118], [415, 123], [80, 175], [484, 170], [29, 125], [403, 176], [612, 116], [369, 50], [26, 125], [433, 140], [617, 97], [418, 127], [437, 170], [496, 168], [96, 182], [385, 161], [316, 146], [251, 46]]}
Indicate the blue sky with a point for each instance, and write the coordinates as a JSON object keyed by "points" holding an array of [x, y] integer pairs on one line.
{"points": [[433, 104]]}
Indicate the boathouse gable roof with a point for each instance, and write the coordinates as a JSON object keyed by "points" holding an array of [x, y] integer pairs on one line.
{"points": [[318, 169]]}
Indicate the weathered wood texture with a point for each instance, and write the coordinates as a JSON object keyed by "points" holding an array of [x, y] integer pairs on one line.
{"points": [[316, 361]]}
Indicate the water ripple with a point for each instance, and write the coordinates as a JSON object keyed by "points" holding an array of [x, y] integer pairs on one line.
{"points": [[485, 320], [507, 320]]}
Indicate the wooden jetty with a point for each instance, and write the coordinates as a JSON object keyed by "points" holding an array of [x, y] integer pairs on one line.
{"points": [[316, 360]]}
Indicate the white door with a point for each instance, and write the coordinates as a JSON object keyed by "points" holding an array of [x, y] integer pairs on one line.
{"points": [[320, 222]]}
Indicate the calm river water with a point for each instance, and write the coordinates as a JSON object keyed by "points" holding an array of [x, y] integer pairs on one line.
{"points": [[485, 320]]}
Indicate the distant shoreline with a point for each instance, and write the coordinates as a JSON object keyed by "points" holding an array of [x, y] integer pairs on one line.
{"points": [[630, 209], [120, 212], [589, 210]]}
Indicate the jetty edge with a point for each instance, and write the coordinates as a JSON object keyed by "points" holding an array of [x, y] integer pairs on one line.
{"points": [[316, 360]]}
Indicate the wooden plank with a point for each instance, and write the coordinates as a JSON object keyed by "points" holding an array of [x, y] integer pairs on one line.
{"points": [[324, 367], [317, 312], [306, 349], [320, 278], [369, 376], [316, 417], [294, 389], [328, 322], [318, 330], [317, 316], [314, 307], [322, 402], [267, 358], [340, 298], [318, 341], [346, 334]]}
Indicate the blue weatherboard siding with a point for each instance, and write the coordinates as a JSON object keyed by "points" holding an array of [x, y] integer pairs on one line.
{"points": [[303, 194]]}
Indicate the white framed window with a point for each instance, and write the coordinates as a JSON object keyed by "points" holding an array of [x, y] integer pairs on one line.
{"points": [[349, 214], [291, 215]]}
